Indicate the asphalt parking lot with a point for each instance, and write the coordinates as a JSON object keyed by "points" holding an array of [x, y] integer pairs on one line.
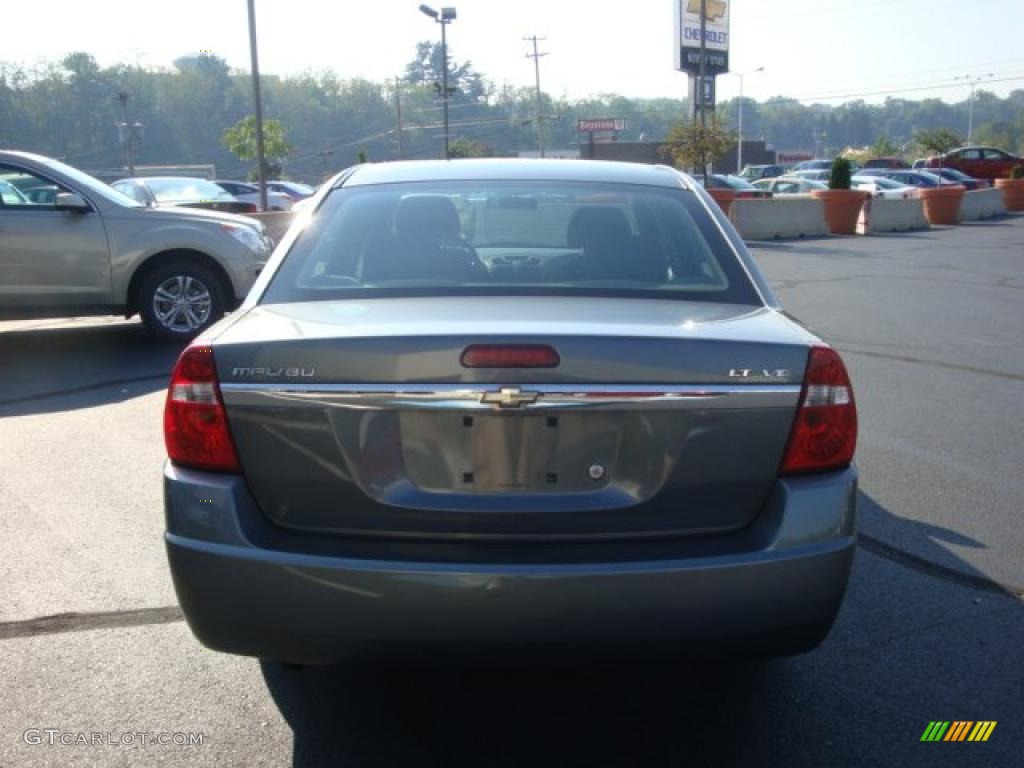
{"points": [[931, 325]]}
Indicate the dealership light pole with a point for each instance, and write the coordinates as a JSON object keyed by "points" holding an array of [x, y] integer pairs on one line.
{"points": [[972, 81], [444, 18], [739, 121], [699, 90], [258, 107]]}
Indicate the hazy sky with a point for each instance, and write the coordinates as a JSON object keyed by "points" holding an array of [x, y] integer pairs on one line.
{"points": [[811, 49]]}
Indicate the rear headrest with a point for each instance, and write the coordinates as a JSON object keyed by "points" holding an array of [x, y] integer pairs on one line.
{"points": [[427, 216], [596, 223]]}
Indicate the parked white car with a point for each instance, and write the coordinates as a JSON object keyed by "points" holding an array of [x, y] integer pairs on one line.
{"points": [[886, 189], [790, 185], [815, 175], [250, 193]]}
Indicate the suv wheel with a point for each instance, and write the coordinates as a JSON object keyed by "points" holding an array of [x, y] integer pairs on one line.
{"points": [[179, 300]]}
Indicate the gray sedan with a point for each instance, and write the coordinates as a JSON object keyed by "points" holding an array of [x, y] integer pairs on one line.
{"points": [[506, 403]]}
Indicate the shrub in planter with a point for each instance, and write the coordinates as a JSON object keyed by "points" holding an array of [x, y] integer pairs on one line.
{"points": [[842, 204], [841, 175], [1013, 189]]}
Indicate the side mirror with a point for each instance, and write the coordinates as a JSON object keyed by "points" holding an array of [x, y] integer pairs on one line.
{"points": [[69, 201]]}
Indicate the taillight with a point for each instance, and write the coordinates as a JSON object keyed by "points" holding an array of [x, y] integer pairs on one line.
{"points": [[509, 356], [195, 424], [824, 435]]}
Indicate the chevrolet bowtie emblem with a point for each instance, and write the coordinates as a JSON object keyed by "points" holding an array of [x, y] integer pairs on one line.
{"points": [[509, 397], [715, 8]]}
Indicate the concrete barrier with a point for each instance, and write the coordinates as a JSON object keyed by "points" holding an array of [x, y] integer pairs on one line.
{"points": [[881, 215], [982, 204], [782, 216], [275, 222]]}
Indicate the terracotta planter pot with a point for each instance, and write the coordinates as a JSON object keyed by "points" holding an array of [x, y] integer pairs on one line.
{"points": [[1013, 193], [723, 197], [842, 208], [942, 204]]}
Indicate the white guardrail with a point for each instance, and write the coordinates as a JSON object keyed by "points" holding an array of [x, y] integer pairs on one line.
{"points": [[782, 216], [982, 204], [881, 215]]}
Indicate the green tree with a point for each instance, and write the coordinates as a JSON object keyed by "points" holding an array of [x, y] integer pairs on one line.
{"points": [[241, 140], [692, 145], [937, 141], [427, 68], [883, 147], [463, 147]]}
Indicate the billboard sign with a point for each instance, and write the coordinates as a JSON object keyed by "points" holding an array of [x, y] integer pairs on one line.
{"points": [[595, 125], [688, 32]]}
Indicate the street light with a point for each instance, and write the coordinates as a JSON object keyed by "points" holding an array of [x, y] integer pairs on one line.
{"points": [[972, 81], [444, 18], [739, 128], [261, 162]]}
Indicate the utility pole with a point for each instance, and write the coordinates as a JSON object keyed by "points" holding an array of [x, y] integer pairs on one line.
{"points": [[398, 109], [699, 90], [128, 133], [540, 104], [258, 104], [444, 85], [972, 81], [324, 154]]}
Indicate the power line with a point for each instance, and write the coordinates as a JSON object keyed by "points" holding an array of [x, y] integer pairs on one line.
{"points": [[932, 87]]}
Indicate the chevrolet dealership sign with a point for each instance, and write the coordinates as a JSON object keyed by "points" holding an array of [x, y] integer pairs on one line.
{"points": [[716, 36]]}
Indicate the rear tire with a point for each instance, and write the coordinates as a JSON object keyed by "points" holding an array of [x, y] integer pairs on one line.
{"points": [[179, 300]]}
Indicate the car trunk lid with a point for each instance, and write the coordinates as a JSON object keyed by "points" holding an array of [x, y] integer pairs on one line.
{"points": [[660, 418]]}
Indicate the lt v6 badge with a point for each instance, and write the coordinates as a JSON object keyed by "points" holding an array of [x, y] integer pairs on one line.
{"points": [[743, 373]]}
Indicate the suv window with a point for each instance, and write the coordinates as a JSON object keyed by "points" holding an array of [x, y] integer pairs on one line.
{"points": [[26, 191], [519, 238]]}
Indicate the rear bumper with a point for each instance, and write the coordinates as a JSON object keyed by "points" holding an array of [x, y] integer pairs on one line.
{"points": [[244, 591]]}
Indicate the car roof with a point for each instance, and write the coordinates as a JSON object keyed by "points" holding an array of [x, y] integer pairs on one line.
{"points": [[513, 169]]}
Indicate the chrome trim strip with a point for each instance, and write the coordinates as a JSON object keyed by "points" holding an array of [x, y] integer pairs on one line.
{"points": [[469, 397]]}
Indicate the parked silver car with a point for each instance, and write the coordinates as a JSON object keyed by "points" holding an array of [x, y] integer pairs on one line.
{"points": [[92, 250], [500, 402], [790, 185], [182, 191], [250, 193]]}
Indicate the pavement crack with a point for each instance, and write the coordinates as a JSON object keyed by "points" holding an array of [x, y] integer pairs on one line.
{"points": [[81, 622], [933, 569]]}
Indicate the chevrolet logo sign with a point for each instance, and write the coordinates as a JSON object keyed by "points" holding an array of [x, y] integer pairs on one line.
{"points": [[509, 397], [715, 8]]}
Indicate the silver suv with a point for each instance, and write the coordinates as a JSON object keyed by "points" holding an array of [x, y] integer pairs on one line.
{"points": [[71, 245]]}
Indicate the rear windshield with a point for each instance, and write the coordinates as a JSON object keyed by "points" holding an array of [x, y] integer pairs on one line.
{"points": [[508, 238]]}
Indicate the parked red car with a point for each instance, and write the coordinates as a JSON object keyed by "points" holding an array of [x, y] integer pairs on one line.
{"points": [[979, 162]]}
